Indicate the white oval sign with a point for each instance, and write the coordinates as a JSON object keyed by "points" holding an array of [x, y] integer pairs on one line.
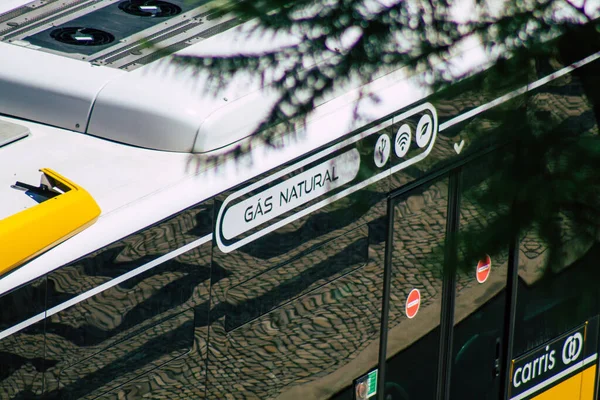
{"points": [[291, 193]]}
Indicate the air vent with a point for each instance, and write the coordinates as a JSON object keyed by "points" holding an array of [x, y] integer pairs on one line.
{"points": [[123, 34], [82, 36], [149, 8]]}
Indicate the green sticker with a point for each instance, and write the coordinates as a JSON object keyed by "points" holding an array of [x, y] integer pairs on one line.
{"points": [[366, 386], [372, 384]]}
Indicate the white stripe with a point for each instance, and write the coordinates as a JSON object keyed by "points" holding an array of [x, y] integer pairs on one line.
{"points": [[556, 377], [483, 268], [590, 359], [104, 286], [22, 325], [413, 303], [518, 92]]}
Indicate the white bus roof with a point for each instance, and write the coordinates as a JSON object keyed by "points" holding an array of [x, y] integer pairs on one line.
{"points": [[127, 136]]}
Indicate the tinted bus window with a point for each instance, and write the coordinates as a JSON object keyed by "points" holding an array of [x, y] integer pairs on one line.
{"points": [[480, 286], [416, 289]]}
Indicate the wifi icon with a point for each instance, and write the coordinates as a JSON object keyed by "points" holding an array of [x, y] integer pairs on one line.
{"points": [[402, 141]]}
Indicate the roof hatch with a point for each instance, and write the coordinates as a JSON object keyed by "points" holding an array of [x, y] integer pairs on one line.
{"points": [[10, 133]]}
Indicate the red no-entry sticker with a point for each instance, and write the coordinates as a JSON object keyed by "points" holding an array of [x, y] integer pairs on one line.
{"points": [[413, 301], [484, 267]]}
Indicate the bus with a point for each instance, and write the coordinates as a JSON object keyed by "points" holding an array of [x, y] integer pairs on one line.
{"points": [[328, 267]]}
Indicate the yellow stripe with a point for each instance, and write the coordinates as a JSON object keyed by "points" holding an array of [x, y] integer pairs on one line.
{"points": [[588, 383], [580, 386]]}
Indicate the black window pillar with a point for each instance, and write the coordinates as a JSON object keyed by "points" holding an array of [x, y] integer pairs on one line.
{"points": [[449, 288]]}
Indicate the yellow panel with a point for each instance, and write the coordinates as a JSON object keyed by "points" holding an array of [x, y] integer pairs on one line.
{"points": [[588, 383], [32, 231], [567, 390]]}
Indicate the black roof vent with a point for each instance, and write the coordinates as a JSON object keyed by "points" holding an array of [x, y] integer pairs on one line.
{"points": [[149, 8], [82, 36]]}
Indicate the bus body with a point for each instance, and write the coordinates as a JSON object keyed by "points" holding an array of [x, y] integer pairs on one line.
{"points": [[312, 270]]}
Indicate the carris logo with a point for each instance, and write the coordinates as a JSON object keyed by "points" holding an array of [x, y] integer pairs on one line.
{"points": [[535, 368], [562, 355], [572, 348]]}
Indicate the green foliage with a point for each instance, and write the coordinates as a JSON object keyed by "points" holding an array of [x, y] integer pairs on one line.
{"points": [[543, 183], [344, 43]]}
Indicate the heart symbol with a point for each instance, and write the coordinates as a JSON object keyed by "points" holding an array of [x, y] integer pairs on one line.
{"points": [[458, 147]]}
